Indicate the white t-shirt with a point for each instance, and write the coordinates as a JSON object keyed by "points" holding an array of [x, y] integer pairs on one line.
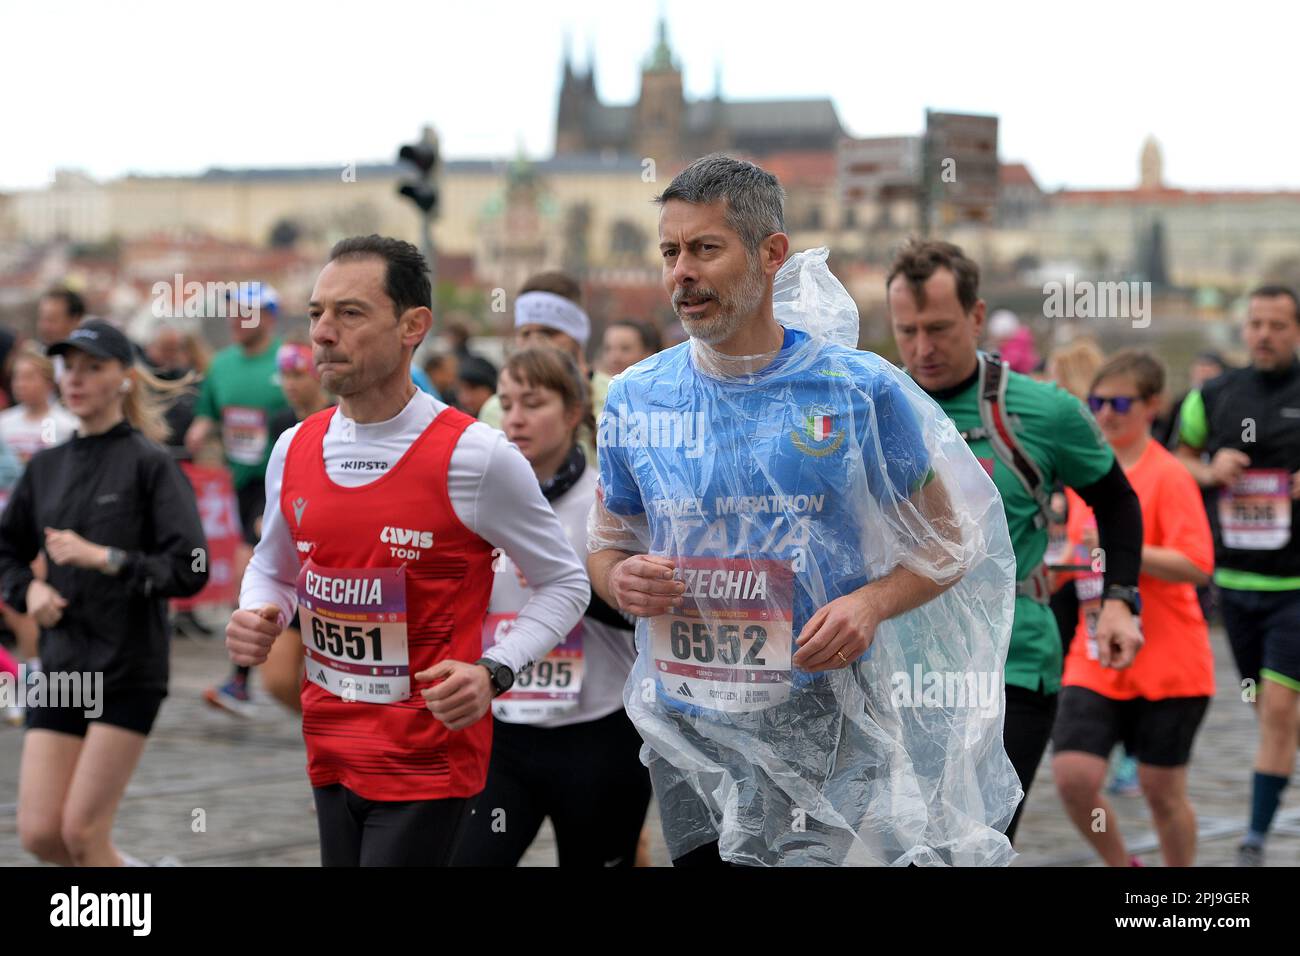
{"points": [[493, 492], [608, 652], [27, 435]]}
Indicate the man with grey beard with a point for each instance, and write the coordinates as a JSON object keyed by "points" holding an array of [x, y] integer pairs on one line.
{"points": [[762, 563]]}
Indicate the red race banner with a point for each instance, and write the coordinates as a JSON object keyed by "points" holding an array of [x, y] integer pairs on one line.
{"points": [[215, 493]]}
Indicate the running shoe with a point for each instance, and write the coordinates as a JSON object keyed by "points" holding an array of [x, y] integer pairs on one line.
{"points": [[232, 697], [1124, 779], [1250, 854]]}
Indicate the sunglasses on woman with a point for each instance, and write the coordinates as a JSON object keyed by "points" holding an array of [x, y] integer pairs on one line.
{"points": [[1121, 403]]}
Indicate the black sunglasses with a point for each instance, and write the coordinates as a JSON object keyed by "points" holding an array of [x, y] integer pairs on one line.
{"points": [[1121, 403]]}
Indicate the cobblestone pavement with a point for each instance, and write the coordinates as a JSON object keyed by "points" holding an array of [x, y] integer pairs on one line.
{"points": [[244, 780]]}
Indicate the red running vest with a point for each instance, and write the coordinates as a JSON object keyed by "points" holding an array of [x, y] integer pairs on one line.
{"points": [[395, 751]]}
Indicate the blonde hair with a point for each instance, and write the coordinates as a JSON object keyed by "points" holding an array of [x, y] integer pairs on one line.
{"points": [[145, 405], [199, 352], [32, 354], [1073, 366]]}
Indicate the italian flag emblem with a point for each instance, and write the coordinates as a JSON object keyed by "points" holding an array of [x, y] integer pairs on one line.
{"points": [[819, 427]]}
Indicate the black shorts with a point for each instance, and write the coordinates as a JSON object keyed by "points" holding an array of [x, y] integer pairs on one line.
{"points": [[252, 502], [1264, 632], [1158, 733], [130, 710]]}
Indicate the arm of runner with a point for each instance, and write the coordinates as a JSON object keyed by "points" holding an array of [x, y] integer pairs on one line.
{"points": [[1194, 430], [1170, 565], [1119, 524], [638, 584], [847, 625], [1115, 505], [1085, 462], [197, 435], [272, 574], [509, 512], [1185, 551]]}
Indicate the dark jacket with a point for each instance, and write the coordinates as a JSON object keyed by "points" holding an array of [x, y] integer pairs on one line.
{"points": [[120, 490]]}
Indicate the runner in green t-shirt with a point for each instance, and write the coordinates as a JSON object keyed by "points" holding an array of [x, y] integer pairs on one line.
{"points": [[937, 316], [240, 394]]}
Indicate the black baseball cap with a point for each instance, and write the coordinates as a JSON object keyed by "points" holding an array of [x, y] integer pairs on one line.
{"points": [[97, 338]]}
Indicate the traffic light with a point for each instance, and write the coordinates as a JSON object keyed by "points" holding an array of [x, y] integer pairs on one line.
{"points": [[422, 190]]}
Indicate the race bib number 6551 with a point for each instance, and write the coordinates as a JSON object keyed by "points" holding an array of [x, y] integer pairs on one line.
{"points": [[354, 631]]}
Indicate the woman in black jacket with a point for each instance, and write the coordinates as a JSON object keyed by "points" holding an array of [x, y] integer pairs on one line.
{"points": [[118, 522]]}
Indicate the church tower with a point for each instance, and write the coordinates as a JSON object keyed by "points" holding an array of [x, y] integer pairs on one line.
{"points": [[661, 110], [1152, 166], [576, 92]]}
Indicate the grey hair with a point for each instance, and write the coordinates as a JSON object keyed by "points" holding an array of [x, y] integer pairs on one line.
{"points": [[755, 199]]}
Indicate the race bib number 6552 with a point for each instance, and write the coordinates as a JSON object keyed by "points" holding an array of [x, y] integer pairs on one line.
{"points": [[728, 646]]}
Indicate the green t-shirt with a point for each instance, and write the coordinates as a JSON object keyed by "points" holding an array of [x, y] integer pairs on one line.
{"points": [[241, 393], [1061, 436]]}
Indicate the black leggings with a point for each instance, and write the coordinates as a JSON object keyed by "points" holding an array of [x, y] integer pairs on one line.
{"points": [[355, 831], [587, 777], [1025, 733]]}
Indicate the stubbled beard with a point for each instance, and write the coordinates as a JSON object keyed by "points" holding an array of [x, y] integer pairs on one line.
{"points": [[733, 309]]}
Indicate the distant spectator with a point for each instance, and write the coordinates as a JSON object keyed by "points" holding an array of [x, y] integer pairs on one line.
{"points": [[165, 351], [7, 342], [457, 338], [198, 353], [1073, 366], [441, 369], [37, 421], [476, 382], [1206, 366], [627, 343], [168, 353], [1013, 341], [58, 313]]}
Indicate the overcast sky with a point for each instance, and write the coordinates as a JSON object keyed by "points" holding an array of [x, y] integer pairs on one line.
{"points": [[167, 87]]}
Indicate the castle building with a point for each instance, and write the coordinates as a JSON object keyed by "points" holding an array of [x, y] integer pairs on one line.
{"points": [[664, 125]]}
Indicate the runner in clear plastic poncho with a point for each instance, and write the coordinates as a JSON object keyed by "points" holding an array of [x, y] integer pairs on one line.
{"points": [[775, 493]]}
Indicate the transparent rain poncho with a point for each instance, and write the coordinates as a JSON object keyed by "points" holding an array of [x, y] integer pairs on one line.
{"points": [[778, 484]]}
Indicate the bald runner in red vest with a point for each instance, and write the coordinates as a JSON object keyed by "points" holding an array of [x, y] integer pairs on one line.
{"points": [[383, 518]]}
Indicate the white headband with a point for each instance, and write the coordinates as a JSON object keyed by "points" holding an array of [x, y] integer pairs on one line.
{"points": [[554, 312]]}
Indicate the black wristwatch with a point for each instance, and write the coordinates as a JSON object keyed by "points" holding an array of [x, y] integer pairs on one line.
{"points": [[503, 678], [1126, 593]]}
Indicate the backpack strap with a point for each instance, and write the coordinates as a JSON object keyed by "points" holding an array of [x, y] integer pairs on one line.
{"points": [[997, 429]]}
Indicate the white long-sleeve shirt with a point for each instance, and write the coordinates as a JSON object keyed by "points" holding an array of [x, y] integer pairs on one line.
{"points": [[494, 493]]}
